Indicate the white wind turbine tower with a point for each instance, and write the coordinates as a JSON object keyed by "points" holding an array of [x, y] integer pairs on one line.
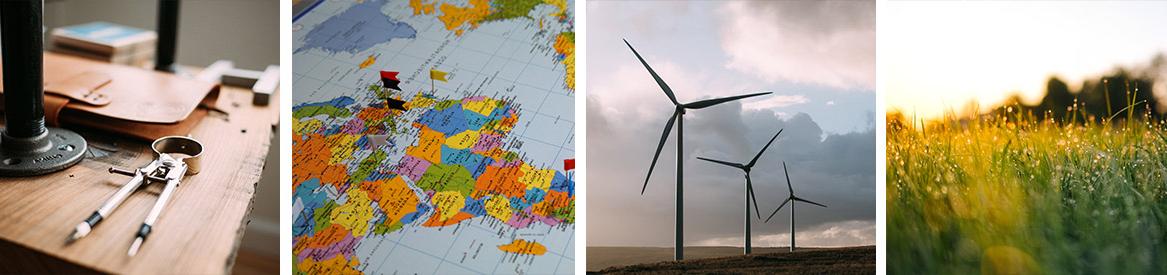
{"points": [[749, 188], [678, 117], [791, 200]]}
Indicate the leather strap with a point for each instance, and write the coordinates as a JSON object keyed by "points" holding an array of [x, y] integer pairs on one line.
{"points": [[53, 106], [78, 88], [82, 87]]}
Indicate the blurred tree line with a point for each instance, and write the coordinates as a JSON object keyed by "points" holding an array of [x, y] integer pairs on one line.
{"points": [[1101, 98]]}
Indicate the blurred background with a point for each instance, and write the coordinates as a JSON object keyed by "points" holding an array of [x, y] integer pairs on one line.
{"points": [[818, 59], [975, 57], [243, 31]]}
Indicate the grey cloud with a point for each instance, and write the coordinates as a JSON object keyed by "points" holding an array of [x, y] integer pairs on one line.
{"points": [[835, 169], [823, 42], [823, 17]]}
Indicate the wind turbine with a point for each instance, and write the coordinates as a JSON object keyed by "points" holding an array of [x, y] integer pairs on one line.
{"points": [[791, 200], [678, 112], [749, 185]]}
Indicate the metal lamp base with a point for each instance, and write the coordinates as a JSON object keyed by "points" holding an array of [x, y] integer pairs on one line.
{"points": [[54, 150]]}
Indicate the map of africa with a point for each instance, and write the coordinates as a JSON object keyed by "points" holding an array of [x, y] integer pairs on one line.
{"points": [[433, 137]]}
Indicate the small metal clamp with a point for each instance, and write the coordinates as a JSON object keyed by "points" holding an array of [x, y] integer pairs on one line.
{"points": [[178, 156]]}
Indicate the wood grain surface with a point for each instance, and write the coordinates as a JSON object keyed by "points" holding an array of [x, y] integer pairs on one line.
{"points": [[198, 232]]}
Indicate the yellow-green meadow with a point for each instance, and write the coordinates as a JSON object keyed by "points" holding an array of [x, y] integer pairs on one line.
{"points": [[1012, 193]]}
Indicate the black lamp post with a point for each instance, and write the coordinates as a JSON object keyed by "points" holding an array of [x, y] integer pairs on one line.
{"points": [[27, 147], [167, 35]]}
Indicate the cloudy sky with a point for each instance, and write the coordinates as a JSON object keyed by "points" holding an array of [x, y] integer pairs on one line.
{"points": [[942, 54], [817, 58]]}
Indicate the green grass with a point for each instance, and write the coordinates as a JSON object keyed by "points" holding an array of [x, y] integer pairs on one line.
{"points": [[329, 110], [508, 9], [1009, 192]]}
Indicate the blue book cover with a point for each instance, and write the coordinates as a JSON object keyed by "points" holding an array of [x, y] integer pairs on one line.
{"points": [[105, 33]]}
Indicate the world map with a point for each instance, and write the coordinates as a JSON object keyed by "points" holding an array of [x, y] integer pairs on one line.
{"points": [[433, 137]]}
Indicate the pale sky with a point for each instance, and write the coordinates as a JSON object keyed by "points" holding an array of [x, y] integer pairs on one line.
{"points": [[819, 60], [814, 63], [939, 55]]}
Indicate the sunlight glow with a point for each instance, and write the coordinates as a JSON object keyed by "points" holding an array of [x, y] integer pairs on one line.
{"points": [[941, 55]]}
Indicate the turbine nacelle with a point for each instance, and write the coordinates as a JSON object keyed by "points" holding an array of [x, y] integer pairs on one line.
{"points": [[791, 198], [678, 111], [746, 168]]}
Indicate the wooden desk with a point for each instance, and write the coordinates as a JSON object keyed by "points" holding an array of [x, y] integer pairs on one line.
{"points": [[197, 233]]}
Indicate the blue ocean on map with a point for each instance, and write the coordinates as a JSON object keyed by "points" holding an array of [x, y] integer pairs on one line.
{"points": [[471, 177], [356, 29]]}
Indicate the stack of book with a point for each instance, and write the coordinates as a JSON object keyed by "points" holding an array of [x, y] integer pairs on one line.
{"points": [[107, 42]]}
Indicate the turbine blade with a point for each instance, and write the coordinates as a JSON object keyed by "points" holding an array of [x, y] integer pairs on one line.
{"points": [[810, 202], [726, 163], [776, 210], [659, 81], [756, 157], [787, 179], [664, 136], [715, 101], [750, 189]]}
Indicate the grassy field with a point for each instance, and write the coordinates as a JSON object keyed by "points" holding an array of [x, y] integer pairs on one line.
{"points": [[728, 260], [1011, 193]]}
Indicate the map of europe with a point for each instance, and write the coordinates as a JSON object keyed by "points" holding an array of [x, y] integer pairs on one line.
{"points": [[433, 137]]}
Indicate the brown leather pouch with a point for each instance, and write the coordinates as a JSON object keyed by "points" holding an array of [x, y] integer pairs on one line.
{"points": [[125, 100]]}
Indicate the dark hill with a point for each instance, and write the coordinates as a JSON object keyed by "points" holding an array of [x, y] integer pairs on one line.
{"points": [[844, 260]]}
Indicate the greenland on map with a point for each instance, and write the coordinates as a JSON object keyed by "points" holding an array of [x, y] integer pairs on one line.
{"points": [[433, 137]]}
